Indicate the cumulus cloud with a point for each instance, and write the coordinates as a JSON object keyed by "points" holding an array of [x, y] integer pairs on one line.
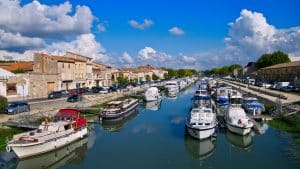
{"points": [[127, 58], [148, 53], [17, 42], [251, 35], [176, 31], [188, 59], [37, 20], [145, 24]]}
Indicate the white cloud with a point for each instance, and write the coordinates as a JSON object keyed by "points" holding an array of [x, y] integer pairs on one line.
{"points": [[145, 24], [127, 58], [188, 59], [37, 20], [17, 42], [251, 35], [176, 31]]}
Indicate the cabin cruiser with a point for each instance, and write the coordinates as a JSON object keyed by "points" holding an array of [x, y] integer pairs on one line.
{"points": [[253, 106], [236, 98], [118, 110], [172, 86], [182, 84], [66, 128], [57, 158], [203, 85], [222, 94], [203, 101], [200, 92], [152, 94], [237, 121], [201, 123]]}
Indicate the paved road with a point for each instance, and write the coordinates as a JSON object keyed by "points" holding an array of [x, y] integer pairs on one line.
{"points": [[291, 98]]}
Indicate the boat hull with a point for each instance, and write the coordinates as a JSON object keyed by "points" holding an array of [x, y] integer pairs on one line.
{"points": [[239, 130], [130, 110], [28, 150], [200, 134]]}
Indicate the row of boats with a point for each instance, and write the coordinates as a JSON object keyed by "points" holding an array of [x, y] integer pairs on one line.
{"points": [[202, 121], [68, 125]]}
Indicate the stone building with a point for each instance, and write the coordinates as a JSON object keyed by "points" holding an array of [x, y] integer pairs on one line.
{"points": [[249, 70], [284, 72], [103, 75]]}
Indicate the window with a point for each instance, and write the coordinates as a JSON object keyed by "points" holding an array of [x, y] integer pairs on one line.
{"points": [[63, 65], [11, 89], [69, 65]]}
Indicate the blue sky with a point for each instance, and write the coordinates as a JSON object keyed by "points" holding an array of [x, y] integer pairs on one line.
{"points": [[204, 23]]}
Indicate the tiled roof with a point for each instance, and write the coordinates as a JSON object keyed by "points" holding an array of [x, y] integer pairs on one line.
{"points": [[27, 66], [283, 65]]}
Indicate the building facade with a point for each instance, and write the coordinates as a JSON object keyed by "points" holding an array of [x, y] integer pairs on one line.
{"points": [[285, 72]]}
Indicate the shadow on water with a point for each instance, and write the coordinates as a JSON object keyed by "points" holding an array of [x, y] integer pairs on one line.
{"points": [[117, 126], [241, 142], [199, 149], [72, 153]]}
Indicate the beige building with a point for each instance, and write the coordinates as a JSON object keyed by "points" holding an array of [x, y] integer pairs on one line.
{"points": [[103, 75], [284, 72]]}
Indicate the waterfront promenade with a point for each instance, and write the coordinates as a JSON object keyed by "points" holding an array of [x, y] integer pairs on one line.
{"points": [[268, 94]]}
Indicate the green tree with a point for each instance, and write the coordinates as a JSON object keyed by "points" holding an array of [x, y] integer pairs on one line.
{"points": [[155, 77], [148, 78], [277, 57], [122, 80], [3, 103]]}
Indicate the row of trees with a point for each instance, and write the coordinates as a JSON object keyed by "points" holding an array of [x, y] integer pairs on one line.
{"points": [[264, 60], [172, 73], [178, 73], [225, 70]]}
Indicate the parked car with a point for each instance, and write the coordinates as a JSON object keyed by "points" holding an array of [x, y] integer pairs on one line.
{"points": [[17, 107], [287, 88], [64, 92], [55, 94], [74, 98], [96, 89], [103, 90], [75, 91], [266, 85], [112, 89]]}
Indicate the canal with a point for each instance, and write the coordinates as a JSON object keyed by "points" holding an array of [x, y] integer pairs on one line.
{"points": [[154, 138]]}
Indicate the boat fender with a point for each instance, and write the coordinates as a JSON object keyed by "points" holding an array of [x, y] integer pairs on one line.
{"points": [[8, 148], [240, 121]]}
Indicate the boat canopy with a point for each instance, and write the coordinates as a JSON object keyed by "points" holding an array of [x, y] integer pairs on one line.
{"points": [[67, 114]]}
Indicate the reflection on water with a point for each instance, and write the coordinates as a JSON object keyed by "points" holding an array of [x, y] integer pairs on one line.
{"points": [[243, 142], [72, 153], [7, 160], [117, 126], [154, 105], [199, 149]]}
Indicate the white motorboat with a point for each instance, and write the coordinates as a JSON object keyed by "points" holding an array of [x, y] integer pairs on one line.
{"points": [[152, 94], [66, 128], [200, 92], [236, 98], [237, 121], [182, 84], [201, 123], [223, 94], [253, 106], [118, 110], [172, 86]]}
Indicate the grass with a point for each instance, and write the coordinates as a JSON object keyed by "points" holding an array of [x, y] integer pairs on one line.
{"points": [[7, 134], [290, 124]]}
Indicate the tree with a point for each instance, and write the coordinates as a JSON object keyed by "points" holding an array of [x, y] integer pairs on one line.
{"points": [[122, 80], [3, 103], [155, 77], [148, 78], [277, 57]]}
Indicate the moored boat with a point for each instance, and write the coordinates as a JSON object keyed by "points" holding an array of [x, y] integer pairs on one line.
{"points": [[152, 94], [66, 128], [237, 121], [118, 110], [253, 106], [201, 123]]}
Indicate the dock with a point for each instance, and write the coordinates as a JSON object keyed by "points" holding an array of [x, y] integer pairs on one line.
{"points": [[19, 125]]}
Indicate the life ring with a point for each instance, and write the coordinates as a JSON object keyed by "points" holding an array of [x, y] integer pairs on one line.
{"points": [[8, 148]]}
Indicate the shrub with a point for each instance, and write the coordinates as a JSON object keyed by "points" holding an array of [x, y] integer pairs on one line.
{"points": [[3, 103]]}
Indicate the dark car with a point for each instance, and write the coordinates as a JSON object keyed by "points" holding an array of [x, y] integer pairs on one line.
{"points": [[74, 98], [75, 91], [17, 107], [55, 94], [96, 89], [287, 88], [112, 89]]}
